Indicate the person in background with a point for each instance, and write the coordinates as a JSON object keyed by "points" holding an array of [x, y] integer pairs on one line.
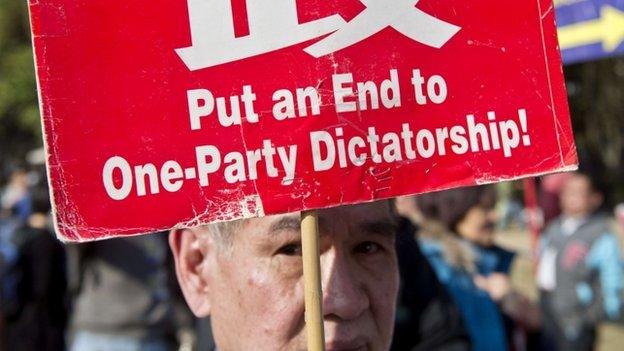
{"points": [[126, 298], [523, 318], [15, 198], [457, 236], [427, 318], [579, 272], [509, 205], [35, 312], [618, 212], [15, 210], [550, 189]]}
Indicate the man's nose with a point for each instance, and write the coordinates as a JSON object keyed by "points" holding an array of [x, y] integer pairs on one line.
{"points": [[344, 297]]}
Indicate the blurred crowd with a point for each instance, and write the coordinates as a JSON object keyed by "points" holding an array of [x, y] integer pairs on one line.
{"points": [[456, 290], [116, 294]]}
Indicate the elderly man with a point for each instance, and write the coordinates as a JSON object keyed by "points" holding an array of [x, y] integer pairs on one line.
{"points": [[248, 276]]}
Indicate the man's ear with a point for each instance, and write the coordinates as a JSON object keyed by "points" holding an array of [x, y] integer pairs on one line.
{"points": [[190, 249]]}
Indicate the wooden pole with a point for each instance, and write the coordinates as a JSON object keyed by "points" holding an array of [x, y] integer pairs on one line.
{"points": [[312, 281]]}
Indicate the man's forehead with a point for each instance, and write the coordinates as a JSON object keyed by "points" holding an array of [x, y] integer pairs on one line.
{"points": [[576, 181], [370, 214], [379, 211], [375, 209]]}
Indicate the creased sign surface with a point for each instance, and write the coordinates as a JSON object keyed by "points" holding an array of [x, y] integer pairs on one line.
{"points": [[168, 113]]}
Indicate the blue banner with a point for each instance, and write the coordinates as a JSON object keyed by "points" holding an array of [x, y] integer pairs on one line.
{"points": [[590, 29]]}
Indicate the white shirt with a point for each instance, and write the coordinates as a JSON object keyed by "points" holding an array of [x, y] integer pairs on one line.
{"points": [[546, 270], [546, 273]]}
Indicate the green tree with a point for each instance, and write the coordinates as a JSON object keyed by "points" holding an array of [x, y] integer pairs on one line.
{"points": [[596, 96], [20, 128]]}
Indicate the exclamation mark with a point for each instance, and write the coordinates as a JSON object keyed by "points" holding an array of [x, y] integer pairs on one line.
{"points": [[241, 20], [526, 139]]}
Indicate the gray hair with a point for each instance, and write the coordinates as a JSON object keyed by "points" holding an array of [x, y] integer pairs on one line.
{"points": [[223, 232]]}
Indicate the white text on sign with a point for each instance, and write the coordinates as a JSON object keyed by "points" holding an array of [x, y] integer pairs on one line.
{"points": [[274, 25], [329, 148], [349, 96]]}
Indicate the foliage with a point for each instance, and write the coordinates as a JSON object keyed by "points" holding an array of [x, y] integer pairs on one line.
{"points": [[596, 95], [19, 116]]}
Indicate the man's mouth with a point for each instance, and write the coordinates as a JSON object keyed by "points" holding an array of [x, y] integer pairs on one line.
{"points": [[357, 344]]}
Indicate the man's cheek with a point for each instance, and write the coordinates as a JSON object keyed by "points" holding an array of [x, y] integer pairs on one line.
{"points": [[384, 288], [379, 266], [279, 303], [287, 268], [275, 289], [384, 307]]}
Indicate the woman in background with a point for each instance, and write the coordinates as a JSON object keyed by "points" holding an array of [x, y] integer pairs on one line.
{"points": [[457, 237]]}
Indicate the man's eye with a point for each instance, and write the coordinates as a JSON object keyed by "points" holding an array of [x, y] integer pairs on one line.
{"points": [[290, 250], [368, 248]]}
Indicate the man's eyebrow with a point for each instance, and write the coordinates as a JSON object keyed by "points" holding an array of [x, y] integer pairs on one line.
{"points": [[383, 226], [285, 223]]}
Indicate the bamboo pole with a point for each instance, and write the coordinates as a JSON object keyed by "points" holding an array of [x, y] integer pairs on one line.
{"points": [[312, 281]]}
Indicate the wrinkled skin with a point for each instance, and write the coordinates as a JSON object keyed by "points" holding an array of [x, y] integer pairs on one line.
{"points": [[253, 290]]}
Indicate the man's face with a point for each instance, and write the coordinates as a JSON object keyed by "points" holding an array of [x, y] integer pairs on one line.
{"points": [[577, 198], [256, 293]]}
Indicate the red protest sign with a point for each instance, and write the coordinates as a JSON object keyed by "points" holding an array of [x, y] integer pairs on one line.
{"points": [[166, 113]]}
